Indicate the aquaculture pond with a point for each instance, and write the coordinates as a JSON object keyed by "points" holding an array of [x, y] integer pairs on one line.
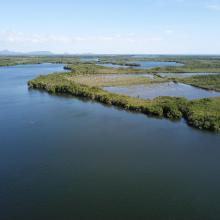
{"points": [[65, 158], [151, 91]]}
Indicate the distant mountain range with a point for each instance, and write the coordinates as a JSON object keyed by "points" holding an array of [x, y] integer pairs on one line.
{"points": [[33, 53]]}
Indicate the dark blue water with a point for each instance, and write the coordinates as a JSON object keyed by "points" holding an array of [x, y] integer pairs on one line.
{"points": [[64, 158]]}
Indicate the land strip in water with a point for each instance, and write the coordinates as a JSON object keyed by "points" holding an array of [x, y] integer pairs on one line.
{"points": [[191, 64], [202, 114], [85, 79], [210, 82]]}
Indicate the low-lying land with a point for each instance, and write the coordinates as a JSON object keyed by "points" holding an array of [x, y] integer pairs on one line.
{"points": [[202, 114], [86, 78], [91, 69], [14, 60], [113, 80], [191, 63], [211, 82]]}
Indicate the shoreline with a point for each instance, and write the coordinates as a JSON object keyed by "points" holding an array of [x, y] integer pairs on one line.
{"points": [[173, 108]]}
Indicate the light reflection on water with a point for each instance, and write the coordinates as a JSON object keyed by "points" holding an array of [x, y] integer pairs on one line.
{"points": [[163, 89], [64, 158]]}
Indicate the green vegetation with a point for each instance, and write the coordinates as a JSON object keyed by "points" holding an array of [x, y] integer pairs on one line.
{"points": [[191, 63], [211, 82], [184, 69], [99, 76], [58, 83], [202, 114], [91, 69], [113, 80], [85, 79], [12, 60], [121, 63]]}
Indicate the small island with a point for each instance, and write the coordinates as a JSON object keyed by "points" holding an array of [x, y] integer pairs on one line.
{"points": [[87, 81]]}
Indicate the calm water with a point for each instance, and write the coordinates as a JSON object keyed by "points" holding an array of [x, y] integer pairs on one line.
{"points": [[143, 64], [62, 158], [152, 64], [163, 89]]}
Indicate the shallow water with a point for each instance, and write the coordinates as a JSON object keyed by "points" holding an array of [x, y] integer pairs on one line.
{"points": [[183, 75], [64, 158], [163, 89]]}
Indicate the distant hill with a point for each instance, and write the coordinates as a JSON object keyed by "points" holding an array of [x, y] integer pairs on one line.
{"points": [[33, 53], [9, 53], [40, 53]]}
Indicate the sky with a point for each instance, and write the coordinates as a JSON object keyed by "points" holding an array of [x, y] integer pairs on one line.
{"points": [[111, 26]]}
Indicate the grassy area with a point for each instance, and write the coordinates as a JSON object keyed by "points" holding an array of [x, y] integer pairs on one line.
{"points": [[191, 63], [91, 69], [112, 80], [11, 61], [58, 83], [211, 82], [184, 69], [202, 114]]}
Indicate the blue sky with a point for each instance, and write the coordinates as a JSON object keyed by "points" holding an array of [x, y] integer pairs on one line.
{"points": [[141, 26]]}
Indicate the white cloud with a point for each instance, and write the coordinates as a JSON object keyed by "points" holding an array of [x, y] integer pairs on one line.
{"points": [[165, 40], [19, 37], [115, 43]]}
